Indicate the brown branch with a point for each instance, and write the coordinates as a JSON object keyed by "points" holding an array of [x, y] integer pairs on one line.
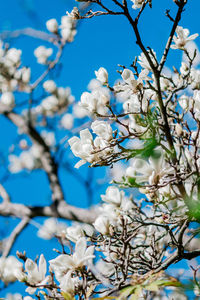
{"points": [[48, 163], [60, 210], [167, 47]]}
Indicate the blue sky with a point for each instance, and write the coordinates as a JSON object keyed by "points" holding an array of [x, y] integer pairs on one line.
{"points": [[102, 41]]}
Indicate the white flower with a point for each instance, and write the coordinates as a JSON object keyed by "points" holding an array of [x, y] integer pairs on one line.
{"points": [[184, 102], [96, 101], [8, 99], [49, 86], [82, 147], [74, 233], [49, 137], [137, 3], [182, 38], [42, 54], [81, 257], [52, 25], [67, 121], [35, 275], [144, 62], [154, 171], [8, 267], [113, 196], [102, 129], [15, 165], [13, 57], [13, 296], [68, 284], [67, 28], [102, 75], [102, 225], [51, 228]]}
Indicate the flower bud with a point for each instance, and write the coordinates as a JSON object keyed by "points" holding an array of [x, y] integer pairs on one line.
{"points": [[52, 25], [8, 99], [102, 75], [178, 129], [49, 86]]}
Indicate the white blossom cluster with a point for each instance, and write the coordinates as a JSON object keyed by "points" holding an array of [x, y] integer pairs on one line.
{"points": [[90, 150], [57, 102], [67, 28], [30, 157], [12, 75]]}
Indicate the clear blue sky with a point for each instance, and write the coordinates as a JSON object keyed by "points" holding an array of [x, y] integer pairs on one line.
{"points": [[102, 41]]}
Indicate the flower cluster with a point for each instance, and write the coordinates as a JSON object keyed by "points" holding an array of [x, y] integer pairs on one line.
{"points": [[90, 150]]}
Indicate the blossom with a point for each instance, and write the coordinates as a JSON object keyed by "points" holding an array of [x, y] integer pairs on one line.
{"points": [[74, 233], [137, 3], [15, 296], [144, 63], [102, 224], [42, 54], [50, 229], [182, 38], [82, 256], [96, 100], [102, 129], [68, 30], [67, 121], [8, 267], [52, 25], [152, 171], [102, 75], [87, 149], [82, 147], [33, 274], [113, 196], [69, 283], [49, 86], [8, 99]]}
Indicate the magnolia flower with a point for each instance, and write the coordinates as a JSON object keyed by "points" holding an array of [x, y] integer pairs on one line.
{"points": [[8, 267], [95, 101], [49, 86], [35, 275], [87, 149], [13, 296], [105, 268], [67, 121], [13, 57], [113, 196], [67, 28], [69, 283], [74, 233], [8, 99], [81, 257], [51, 228], [184, 102], [137, 3], [182, 38], [144, 63], [102, 75], [102, 225], [42, 54], [102, 129], [195, 79], [82, 147], [153, 171], [52, 25]]}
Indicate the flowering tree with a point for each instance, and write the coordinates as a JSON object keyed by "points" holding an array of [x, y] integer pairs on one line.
{"points": [[149, 120]]}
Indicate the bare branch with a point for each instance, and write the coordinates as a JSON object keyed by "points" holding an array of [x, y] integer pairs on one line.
{"points": [[8, 243]]}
